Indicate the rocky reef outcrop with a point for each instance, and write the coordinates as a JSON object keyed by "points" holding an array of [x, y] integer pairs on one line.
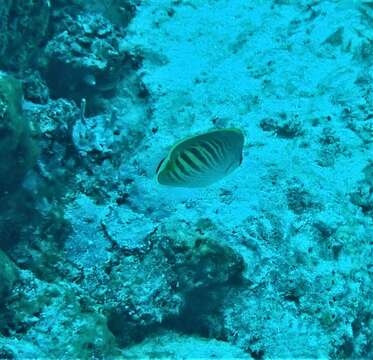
{"points": [[99, 261]]}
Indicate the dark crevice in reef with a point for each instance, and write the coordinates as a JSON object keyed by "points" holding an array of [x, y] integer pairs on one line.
{"points": [[257, 355], [89, 249], [200, 272], [133, 332], [201, 314]]}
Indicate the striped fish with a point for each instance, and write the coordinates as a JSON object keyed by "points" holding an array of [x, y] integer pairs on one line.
{"points": [[201, 160]]}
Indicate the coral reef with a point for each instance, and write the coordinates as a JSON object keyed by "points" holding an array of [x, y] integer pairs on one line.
{"points": [[85, 59], [24, 27], [18, 151], [99, 261], [8, 275], [173, 346], [39, 308]]}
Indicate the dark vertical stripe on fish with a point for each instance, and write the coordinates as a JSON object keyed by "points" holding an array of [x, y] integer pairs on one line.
{"points": [[181, 167], [190, 162], [195, 160], [172, 176], [219, 147], [207, 155], [176, 175], [212, 151], [197, 153]]}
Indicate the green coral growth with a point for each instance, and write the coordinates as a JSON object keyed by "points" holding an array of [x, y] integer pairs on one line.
{"points": [[17, 148], [8, 275]]}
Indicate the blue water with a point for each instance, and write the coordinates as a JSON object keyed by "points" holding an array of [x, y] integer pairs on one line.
{"points": [[98, 260]]}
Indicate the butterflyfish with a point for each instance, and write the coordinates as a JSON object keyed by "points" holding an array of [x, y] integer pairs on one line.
{"points": [[203, 159]]}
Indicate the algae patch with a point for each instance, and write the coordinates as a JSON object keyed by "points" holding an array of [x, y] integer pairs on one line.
{"points": [[8, 274], [17, 148]]}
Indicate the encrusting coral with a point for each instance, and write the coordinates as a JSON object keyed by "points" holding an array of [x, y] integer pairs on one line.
{"points": [[17, 148]]}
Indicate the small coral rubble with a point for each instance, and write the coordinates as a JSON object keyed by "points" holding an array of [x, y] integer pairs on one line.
{"points": [[85, 59]]}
